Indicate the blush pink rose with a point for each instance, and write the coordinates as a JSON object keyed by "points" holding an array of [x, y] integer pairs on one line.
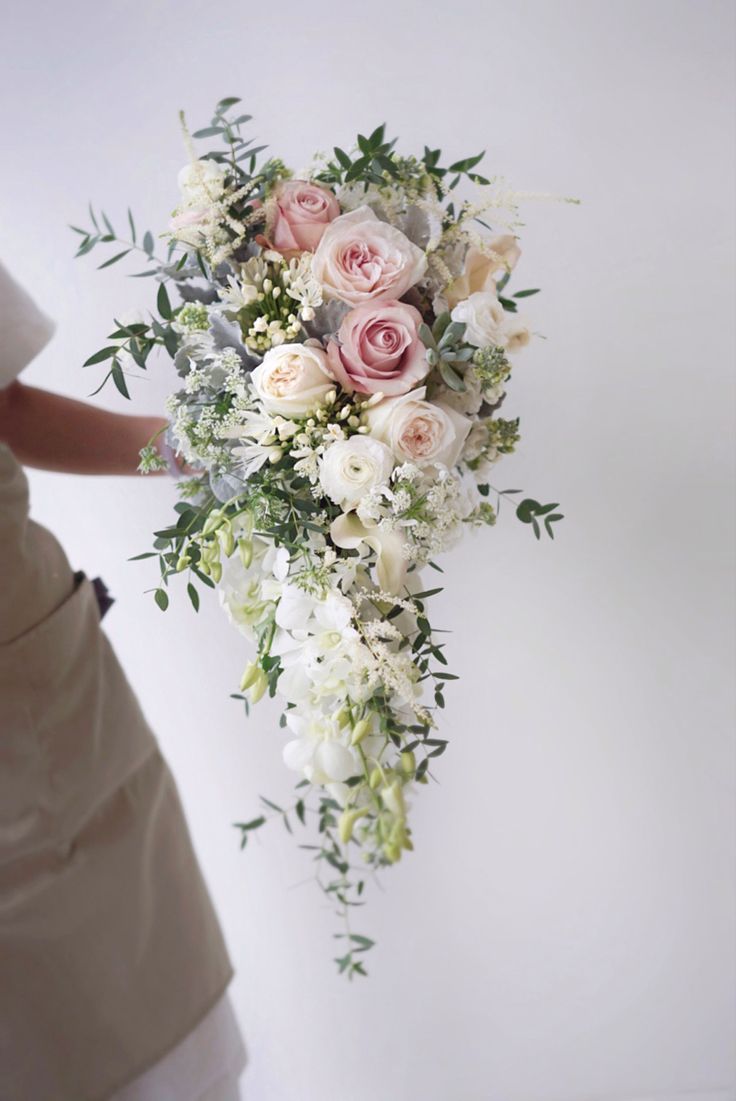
{"points": [[362, 259], [299, 212], [378, 349]]}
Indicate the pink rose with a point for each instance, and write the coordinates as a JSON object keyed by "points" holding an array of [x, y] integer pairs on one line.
{"points": [[360, 259], [299, 212], [378, 349]]}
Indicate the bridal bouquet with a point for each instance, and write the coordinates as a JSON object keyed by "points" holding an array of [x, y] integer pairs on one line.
{"points": [[344, 340]]}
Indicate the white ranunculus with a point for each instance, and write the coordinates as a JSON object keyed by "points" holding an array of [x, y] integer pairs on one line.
{"points": [[484, 317], [419, 431], [351, 468], [292, 379]]}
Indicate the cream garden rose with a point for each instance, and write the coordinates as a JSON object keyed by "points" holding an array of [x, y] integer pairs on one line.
{"points": [[351, 468], [419, 431], [480, 266], [361, 258], [292, 379]]}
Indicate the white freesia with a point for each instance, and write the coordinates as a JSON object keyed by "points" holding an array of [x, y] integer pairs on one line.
{"points": [[419, 431], [351, 468], [292, 379]]}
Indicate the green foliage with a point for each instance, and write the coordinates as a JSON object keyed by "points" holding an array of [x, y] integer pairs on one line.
{"points": [[446, 349], [530, 511]]}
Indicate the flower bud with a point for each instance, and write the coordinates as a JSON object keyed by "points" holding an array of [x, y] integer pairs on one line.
{"points": [[215, 572], [245, 547], [348, 818], [212, 522], [408, 761], [258, 687], [342, 718], [250, 674], [183, 562], [227, 542], [360, 730], [375, 778], [393, 798]]}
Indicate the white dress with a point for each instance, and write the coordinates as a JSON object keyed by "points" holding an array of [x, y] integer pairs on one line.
{"points": [[110, 951]]}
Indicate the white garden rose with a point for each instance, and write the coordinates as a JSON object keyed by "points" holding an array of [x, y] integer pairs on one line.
{"points": [[484, 317], [488, 323], [419, 431], [351, 468], [292, 379]]}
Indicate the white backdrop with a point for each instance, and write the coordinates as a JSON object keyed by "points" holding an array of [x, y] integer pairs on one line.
{"points": [[565, 929]]}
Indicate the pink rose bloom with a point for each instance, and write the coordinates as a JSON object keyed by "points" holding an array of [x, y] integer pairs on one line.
{"points": [[299, 212], [360, 259], [378, 349]]}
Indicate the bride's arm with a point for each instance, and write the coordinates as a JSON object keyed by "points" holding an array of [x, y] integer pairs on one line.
{"points": [[51, 432]]}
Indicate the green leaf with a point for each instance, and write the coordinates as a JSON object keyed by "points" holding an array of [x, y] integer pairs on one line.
{"points": [[467, 164], [131, 223], [148, 243], [229, 101], [193, 596], [119, 379], [162, 599], [450, 377], [208, 132], [526, 509], [342, 157], [163, 303], [98, 357], [526, 294], [113, 259]]}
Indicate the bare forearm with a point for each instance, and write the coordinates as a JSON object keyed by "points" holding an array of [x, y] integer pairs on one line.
{"points": [[56, 433]]}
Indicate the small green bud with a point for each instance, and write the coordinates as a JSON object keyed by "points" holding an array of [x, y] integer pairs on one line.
{"points": [[348, 818], [227, 542], [375, 778], [183, 562], [250, 674], [360, 730], [408, 761], [245, 548], [258, 687]]}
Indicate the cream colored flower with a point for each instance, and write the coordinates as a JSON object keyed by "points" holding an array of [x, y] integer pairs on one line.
{"points": [[348, 532], [419, 431], [292, 379]]}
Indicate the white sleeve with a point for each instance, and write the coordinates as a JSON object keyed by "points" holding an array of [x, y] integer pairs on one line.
{"points": [[24, 329]]}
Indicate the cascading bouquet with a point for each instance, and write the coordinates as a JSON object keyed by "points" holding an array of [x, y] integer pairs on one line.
{"points": [[344, 343]]}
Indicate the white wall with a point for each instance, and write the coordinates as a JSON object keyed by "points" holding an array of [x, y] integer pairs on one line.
{"points": [[565, 927]]}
